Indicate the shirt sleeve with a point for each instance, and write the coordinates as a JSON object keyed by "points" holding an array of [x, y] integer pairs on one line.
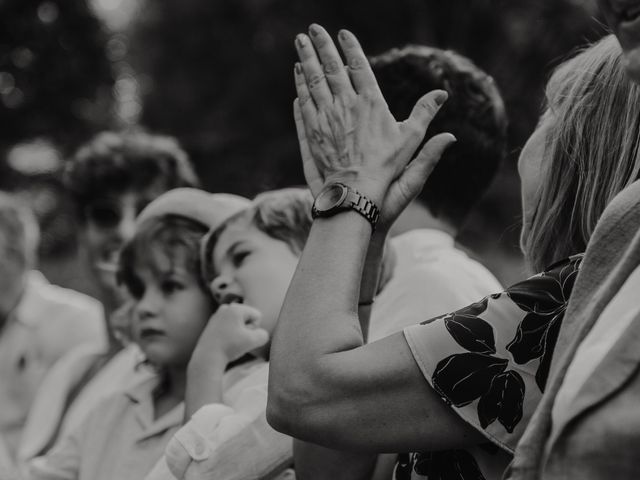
{"points": [[490, 360], [61, 463], [227, 442]]}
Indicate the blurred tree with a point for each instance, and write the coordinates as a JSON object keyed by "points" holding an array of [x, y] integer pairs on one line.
{"points": [[219, 76], [55, 77]]}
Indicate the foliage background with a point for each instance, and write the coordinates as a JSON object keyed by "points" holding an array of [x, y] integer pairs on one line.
{"points": [[218, 76]]}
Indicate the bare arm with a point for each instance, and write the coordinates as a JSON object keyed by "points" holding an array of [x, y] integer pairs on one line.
{"points": [[231, 332], [314, 462], [326, 385]]}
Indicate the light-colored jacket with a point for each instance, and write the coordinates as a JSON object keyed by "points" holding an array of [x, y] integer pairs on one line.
{"points": [[600, 436]]}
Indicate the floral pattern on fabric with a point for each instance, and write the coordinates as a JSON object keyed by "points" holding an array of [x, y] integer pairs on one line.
{"points": [[490, 361]]}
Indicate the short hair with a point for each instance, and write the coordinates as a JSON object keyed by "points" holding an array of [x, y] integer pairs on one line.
{"points": [[283, 214], [19, 231], [116, 162], [474, 113], [591, 153], [170, 238]]}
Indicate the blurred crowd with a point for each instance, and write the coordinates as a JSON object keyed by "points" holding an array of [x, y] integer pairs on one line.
{"points": [[338, 329]]}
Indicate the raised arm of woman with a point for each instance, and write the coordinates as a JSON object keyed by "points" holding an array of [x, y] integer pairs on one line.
{"points": [[321, 371]]}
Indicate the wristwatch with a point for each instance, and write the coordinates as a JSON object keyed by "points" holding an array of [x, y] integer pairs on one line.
{"points": [[338, 197]]}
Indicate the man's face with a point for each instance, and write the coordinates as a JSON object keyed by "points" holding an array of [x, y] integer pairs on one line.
{"points": [[110, 223], [623, 16]]}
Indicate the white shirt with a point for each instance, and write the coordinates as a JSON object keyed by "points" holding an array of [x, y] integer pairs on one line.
{"points": [[431, 277], [47, 323], [120, 439], [608, 329], [232, 440], [51, 419]]}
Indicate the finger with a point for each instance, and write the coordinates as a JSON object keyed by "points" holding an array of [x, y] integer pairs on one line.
{"points": [[423, 112], [258, 338], [302, 89], [336, 75], [362, 77], [412, 180], [418, 171], [315, 78], [311, 172], [245, 312]]}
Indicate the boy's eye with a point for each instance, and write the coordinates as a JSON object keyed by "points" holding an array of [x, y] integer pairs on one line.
{"points": [[171, 286], [238, 257]]}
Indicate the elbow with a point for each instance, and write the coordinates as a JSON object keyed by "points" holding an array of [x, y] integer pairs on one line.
{"points": [[311, 425], [304, 410], [287, 407], [277, 415]]}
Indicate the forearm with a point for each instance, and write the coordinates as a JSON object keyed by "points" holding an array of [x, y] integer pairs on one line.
{"points": [[318, 316], [204, 385], [370, 281], [316, 462]]}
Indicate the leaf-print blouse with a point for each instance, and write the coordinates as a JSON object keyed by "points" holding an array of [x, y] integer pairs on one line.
{"points": [[490, 361]]}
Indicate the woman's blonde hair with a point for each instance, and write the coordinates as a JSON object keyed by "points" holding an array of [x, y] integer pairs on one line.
{"points": [[591, 151]]}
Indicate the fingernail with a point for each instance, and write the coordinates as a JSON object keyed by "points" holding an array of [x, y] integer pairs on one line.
{"points": [[301, 40], [343, 35], [441, 97], [314, 29], [298, 68]]}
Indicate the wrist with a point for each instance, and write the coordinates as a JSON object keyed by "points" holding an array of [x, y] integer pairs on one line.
{"points": [[373, 188], [378, 240], [210, 364]]}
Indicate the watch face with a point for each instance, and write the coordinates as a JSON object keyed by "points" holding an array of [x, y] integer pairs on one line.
{"points": [[331, 197]]}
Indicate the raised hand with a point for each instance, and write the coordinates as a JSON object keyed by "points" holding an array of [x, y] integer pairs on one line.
{"points": [[347, 133]]}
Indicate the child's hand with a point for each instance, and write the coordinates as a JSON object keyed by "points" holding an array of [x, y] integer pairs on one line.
{"points": [[231, 332]]}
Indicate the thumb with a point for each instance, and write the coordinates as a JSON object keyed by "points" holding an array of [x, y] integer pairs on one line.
{"points": [[248, 316], [424, 110], [259, 337], [418, 171]]}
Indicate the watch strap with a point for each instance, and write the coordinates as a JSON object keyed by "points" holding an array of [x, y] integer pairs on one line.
{"points": [[363, 206]]}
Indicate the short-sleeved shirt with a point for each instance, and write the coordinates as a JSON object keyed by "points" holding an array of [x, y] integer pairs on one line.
{"points": [[490, 362]]}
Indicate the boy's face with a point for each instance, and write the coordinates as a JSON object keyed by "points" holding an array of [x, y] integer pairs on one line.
{"points": [[252, 268], [110, 223], [623, 16], [170, 313]]}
